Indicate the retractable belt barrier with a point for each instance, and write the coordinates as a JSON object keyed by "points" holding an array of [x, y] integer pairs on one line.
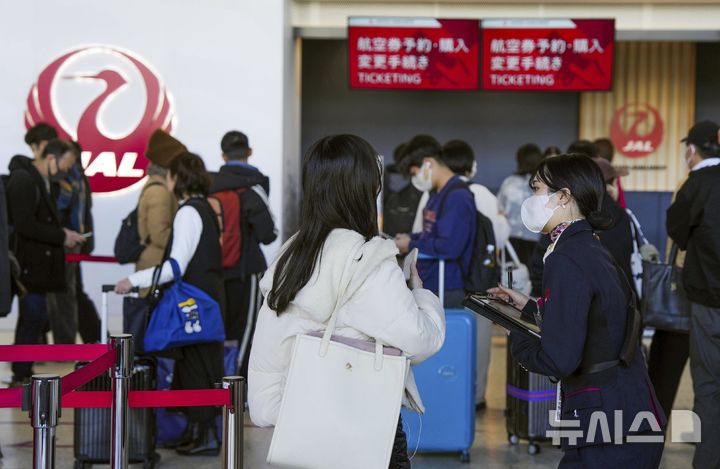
{"points": [[47, 394], [70, 257]]}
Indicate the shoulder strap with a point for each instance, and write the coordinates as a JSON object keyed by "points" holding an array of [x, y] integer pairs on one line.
{"points": [[632, 331], [457, 186], [333, 317]]}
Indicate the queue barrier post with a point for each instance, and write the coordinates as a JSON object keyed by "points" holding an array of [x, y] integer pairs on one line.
{"points": [[44, 415], [121, 375], [233, 423]]}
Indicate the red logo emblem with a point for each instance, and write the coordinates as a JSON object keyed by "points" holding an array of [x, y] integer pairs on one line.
{"points": [[110, 101], [637, 130]]}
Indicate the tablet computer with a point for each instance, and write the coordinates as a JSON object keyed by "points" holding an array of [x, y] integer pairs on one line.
{"points": [[502, 313]]}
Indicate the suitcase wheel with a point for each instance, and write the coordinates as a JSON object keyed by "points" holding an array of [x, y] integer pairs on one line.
{"points": [[513, 439], [465, 457], [533, 449]]}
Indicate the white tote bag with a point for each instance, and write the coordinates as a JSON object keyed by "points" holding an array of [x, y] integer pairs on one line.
{"points": [[341, 404]]}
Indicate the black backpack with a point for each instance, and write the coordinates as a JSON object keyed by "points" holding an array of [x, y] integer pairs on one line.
{"points": [[484, 269], [128, 245], [399, 210]]}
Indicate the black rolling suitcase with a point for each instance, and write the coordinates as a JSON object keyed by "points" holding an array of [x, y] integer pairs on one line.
{"points": [[92, 426], [530, 398]]}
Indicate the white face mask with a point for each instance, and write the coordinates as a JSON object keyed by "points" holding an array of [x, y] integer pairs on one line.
{"points": [[534, 212], [423, 179]]}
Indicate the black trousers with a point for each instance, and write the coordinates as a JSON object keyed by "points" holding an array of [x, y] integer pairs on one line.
{"points": [[399, 458], [242, 303], [669, 353], [199, 367], [705, 370], [32, 318]]}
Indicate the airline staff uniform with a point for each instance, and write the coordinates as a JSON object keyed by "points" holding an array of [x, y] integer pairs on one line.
{"points": [[583, 308]]}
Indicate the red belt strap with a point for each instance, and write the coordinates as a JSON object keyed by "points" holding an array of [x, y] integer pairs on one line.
{"points": [[51, 353], [70, 257]]}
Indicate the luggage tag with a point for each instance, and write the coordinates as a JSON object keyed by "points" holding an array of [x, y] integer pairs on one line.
{"points": [[558, 403]]}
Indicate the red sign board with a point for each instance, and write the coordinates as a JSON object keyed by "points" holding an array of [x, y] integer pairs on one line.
{"points": [[548, 55], [413, 53]]}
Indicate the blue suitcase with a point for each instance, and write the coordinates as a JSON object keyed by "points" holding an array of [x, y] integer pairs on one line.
{"points": [[447, 387]]}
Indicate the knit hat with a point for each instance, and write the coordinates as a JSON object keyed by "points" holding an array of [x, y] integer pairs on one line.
{"points": [[163, 148]]}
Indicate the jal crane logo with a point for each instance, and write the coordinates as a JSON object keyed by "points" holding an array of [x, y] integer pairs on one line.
{"points": [[110, 101], [637, 130]]}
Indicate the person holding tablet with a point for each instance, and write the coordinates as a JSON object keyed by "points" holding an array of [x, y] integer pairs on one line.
{"points": [[589, 340]]}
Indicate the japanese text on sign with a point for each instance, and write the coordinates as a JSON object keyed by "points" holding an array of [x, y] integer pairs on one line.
{"points": [[552, 54], [423, 54]]}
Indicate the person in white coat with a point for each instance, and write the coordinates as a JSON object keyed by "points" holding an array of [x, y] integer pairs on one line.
{"points": [[337, 249]]}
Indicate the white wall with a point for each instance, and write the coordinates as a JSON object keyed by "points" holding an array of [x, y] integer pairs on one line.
{"points": [[223, 62]]}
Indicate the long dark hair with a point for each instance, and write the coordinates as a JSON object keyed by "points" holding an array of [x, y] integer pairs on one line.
{"points": [[583, 177], [341, 179]]}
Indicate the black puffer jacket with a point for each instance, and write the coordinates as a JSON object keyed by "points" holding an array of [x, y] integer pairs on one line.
{"points": [[693, 222], [38, 236], [258, 225], [400, 210]]}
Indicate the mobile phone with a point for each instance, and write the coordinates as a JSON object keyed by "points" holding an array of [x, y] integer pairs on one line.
{"points": [[410, 259], [87, 235]]}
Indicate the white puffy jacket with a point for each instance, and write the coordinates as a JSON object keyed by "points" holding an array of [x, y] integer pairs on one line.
{"points": [[376, 304]]}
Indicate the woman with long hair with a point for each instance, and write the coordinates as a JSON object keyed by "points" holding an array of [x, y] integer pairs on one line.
{"points": [[338, 242], [590, 327], [195, 244]]}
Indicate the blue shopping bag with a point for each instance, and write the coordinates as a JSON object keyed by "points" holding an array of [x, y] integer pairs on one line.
{"points": [[185, 315]]}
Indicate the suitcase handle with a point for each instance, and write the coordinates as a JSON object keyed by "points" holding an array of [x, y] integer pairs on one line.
{"points": [[111, 288]]}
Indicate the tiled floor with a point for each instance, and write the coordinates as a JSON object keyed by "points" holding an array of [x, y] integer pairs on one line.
{"points": [[490, 450]]}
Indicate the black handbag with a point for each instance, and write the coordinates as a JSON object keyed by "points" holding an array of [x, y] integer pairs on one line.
{"points": [[664, 304], [136, 312]]}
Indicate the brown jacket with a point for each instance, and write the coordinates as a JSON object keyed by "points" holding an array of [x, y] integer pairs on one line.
{"points": [[156, 210]]}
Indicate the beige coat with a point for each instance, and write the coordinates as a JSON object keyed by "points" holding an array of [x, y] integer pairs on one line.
{"points": [[156, 210]]}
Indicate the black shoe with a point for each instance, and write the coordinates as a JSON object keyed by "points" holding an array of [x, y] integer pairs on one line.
{"points": [[189, 435], [17, 382], [206, 444]]}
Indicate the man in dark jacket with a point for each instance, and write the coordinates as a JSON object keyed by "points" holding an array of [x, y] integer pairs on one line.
{"points": [[693, 223], [38, 238], [401, 208], [242, 296], [71, 193]]}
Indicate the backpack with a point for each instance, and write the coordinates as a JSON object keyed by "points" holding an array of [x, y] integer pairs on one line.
{"points": [[228, 208], [484, 271], [128, 245]]}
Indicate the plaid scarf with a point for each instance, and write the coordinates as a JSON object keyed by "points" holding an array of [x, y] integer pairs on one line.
{"points": [[71, 200]]}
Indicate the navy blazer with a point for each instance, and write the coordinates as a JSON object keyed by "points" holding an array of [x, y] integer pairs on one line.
{"points": [[584, 304]]}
